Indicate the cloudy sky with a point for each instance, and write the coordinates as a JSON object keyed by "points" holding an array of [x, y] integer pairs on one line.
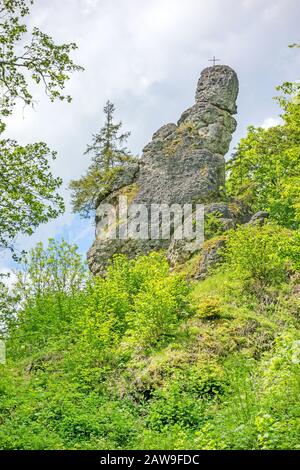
{"points": [[146, 57]]}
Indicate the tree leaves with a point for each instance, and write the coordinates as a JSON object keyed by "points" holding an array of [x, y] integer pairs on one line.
{"points": [[39, 59], [265, 170], [27, 188]]}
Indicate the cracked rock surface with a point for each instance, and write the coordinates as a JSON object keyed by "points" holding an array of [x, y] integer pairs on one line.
{"points": [[183, 163]]}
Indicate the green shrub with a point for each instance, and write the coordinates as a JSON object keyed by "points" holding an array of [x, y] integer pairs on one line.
{"points": [[142, 360], [140, 298], [157, 310], [258, 253], [213, 225]]}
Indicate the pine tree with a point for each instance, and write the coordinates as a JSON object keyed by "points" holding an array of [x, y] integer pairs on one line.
{"points": [[107, 146], [109, 155]]}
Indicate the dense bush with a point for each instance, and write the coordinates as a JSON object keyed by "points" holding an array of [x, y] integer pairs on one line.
{"points": [[264, 171], [261, 254], [138, 302], [140, 359]]}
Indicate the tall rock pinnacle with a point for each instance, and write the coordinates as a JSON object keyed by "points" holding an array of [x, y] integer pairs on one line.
{"points": [[183, 163], [219, 86]]}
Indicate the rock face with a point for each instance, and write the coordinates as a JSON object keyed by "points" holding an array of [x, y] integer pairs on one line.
{"points": [[259, 218], [210, 257], [183, 164]]}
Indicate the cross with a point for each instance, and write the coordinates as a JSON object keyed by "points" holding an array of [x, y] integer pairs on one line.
{"points": [[214, 60]]}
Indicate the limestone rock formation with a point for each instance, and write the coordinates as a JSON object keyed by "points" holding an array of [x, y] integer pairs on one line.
{"points": [[210, 256], [183, 163]]}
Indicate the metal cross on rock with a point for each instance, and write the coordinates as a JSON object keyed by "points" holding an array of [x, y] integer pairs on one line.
{"points": [[214, 60]]}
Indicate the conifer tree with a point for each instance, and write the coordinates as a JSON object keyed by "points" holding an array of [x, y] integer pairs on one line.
{"points": [[107, 146], [109, 155]]}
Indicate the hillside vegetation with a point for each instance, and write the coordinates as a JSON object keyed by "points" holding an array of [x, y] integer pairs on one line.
{"points": [[145, 359], [148, 358]]}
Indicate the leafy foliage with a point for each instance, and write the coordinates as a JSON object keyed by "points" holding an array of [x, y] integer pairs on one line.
{"points": [[28, 190], [8, 302], [213, 225], [258, 253], [138, 301], [49, 292], [40, 58], [140, 359], [58, 268], [264, 171]]}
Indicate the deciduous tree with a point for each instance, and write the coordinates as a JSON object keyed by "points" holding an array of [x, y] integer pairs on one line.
{"points": [[28, 189], [265, 169]]}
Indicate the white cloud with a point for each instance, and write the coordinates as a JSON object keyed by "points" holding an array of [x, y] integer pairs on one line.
{"points": [[271, 122]]}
